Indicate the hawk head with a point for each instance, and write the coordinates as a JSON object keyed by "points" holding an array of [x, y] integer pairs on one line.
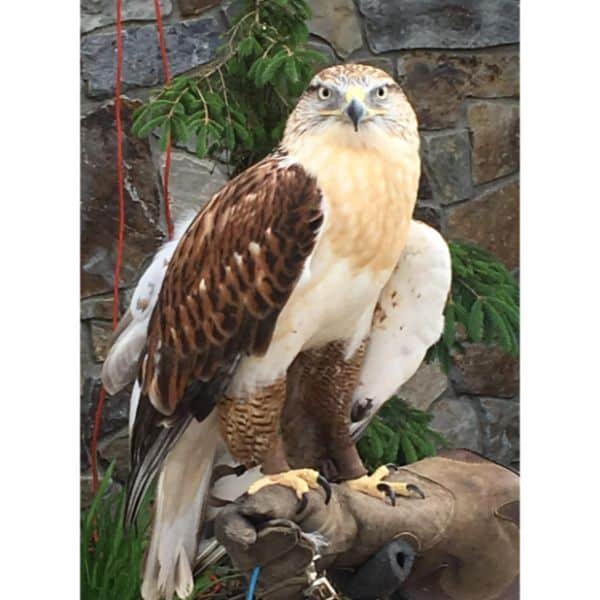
{"points": [[355, 104]]}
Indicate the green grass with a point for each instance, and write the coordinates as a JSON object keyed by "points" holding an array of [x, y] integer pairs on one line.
{"points": [[111, 567]]}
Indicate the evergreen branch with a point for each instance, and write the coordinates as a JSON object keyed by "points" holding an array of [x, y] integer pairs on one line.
{"points": [[399, 434], [483, 305], [265, 64]]}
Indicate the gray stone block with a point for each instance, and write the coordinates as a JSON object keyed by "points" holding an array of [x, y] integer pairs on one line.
{"points": [[425, 386], [336, 21], [447, 161], [331, 58], [99, 201], [97, 13], [458, 420], [428, 213], [490, 220], [116, 411], [96, 307], [485, 370], [115, 447], [191, 8], [500, 420], [438, 81], [231, 9], [192, 183], [101, 332], [189, 44], [403, 24], [495, 133]]}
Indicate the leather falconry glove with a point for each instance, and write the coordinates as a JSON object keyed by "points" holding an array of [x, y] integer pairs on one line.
{"points": [[460, 542]]}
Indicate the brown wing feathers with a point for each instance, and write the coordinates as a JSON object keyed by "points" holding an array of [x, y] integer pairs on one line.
{"points": [[230, 276]]}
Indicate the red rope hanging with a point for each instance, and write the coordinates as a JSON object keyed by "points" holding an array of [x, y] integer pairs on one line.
{"points": [[167, 171], [165, 61], [120, 176], [161, 40], [120, 239]]}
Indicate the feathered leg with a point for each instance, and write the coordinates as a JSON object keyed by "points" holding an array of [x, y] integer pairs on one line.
{"points": [[251, 427], [316, 426]]}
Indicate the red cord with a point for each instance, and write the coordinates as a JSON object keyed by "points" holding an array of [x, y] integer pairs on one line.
{"points": [[161, 39], [217, 587], [121, 236], [168, 218], [165, 61], [95, 433], [120, 175]]}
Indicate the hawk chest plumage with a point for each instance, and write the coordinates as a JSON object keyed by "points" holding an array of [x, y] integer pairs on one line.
{"points": [[369, 190], [368, 200], [368, 204]]}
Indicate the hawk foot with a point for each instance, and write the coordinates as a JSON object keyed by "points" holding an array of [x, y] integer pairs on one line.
{"points": [[373, 485], [299, 480]]}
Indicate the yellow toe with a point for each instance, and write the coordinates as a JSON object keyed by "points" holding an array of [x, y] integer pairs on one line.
{"points": [[370, 485], [299, 480]]}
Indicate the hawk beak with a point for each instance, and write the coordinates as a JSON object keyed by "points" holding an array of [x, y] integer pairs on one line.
{"points": [[356, 111], [355, 107]]}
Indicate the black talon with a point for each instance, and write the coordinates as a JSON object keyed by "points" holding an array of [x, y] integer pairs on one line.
{"points": [[326, 486], [303, 503], [411, 487], [239, 470], [389, 492], [359, 411]]}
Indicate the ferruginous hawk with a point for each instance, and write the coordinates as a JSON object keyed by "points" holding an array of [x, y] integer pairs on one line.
{"points": [[301, 290]]}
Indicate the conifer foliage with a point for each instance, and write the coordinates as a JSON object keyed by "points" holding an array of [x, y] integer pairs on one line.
{"points": [[236, 110], [483, 305], [399, 434]]}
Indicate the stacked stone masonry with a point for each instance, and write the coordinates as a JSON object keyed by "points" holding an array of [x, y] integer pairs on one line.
{"points": [[458, 63]]}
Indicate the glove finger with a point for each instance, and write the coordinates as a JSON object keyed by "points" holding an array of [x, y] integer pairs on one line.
{"points": [[234, 529], [274, 541], [290, 564], [270, 541]]}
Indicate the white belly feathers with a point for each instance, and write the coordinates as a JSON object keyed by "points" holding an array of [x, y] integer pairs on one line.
{"points": [[332, 301]]}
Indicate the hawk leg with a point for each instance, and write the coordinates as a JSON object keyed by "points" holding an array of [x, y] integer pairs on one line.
{"points": [[250, 427], [344, 455], [373, 485], [316, 420]]}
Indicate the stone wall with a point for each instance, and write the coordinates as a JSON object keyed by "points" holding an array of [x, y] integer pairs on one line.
{"points": [[458, 63]]}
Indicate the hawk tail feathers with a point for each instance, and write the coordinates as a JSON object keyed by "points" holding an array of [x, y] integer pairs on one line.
{"points": [[150, 445], [181, 494]]}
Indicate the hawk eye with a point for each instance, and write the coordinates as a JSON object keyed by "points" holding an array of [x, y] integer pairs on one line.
{"points": [[382, 92], [324, 93]]}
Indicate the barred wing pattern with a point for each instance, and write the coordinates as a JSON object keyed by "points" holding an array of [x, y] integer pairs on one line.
{"points": [[231, 274]]}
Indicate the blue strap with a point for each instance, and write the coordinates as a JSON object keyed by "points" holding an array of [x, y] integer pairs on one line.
{"points": [[253, 582]]}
